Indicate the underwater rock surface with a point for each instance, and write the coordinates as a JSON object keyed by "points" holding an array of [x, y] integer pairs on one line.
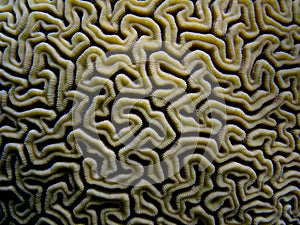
{"points": [[149, 112]]}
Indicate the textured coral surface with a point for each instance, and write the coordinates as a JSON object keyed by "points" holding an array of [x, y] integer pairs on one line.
{"points": [[149, 112]]}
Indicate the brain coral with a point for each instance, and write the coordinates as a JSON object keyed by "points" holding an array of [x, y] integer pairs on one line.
{"points": [[150, 112]]}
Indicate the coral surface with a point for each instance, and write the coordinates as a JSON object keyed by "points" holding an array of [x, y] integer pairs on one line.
{"points": [[150, 112]]}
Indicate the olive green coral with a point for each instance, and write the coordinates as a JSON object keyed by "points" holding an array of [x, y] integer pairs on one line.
{"points": [[149, 112]]}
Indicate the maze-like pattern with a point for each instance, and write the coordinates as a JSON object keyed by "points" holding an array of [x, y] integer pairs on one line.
{"points": [[149, 112]]}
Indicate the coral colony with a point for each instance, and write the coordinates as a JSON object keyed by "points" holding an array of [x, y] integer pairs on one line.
{"points": [[150, 112]]}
